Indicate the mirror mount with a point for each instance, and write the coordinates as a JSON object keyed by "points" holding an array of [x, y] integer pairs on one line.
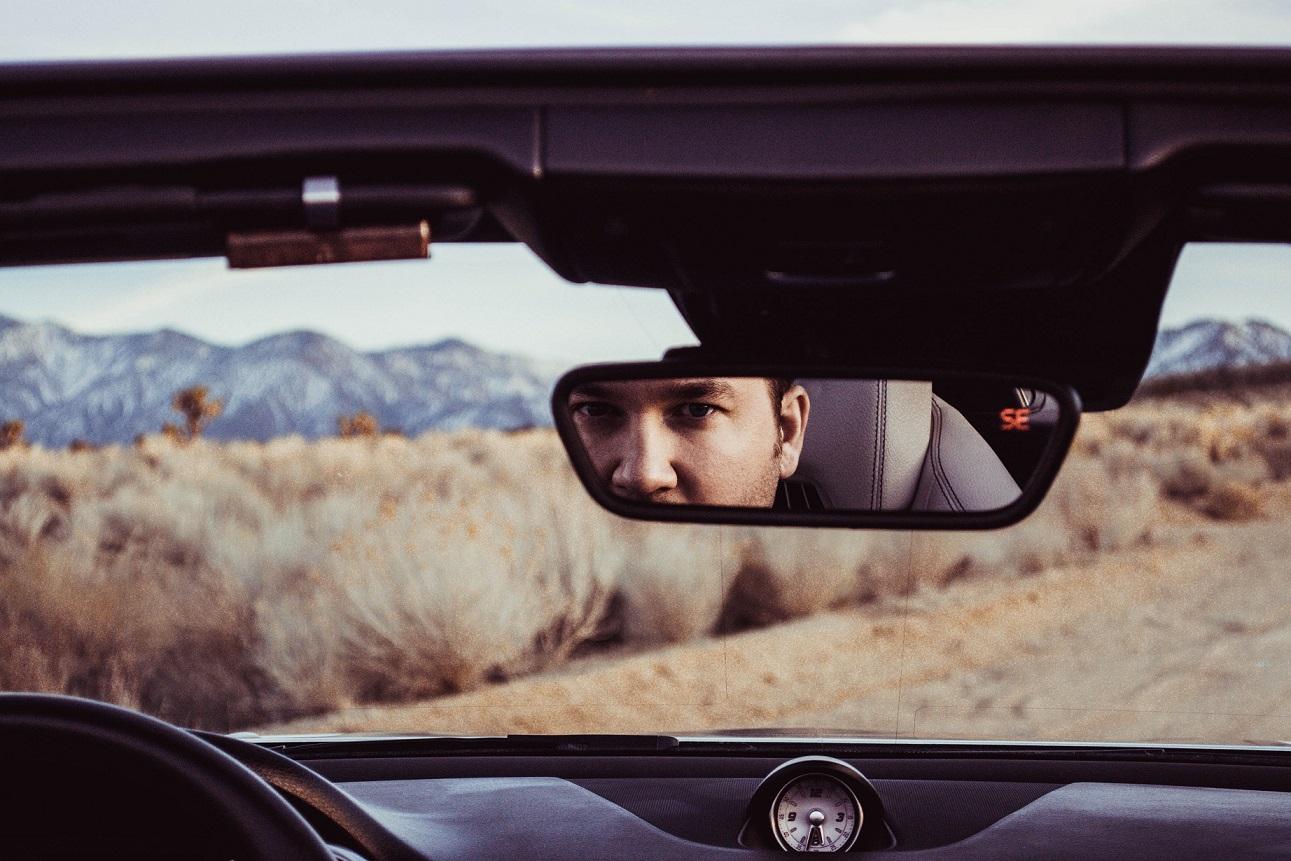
{"points": [[913, 483]]}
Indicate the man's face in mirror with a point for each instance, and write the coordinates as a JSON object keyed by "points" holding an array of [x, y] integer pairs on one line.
{"points": [[698, 441]]}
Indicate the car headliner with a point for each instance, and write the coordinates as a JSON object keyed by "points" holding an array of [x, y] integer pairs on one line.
{"points": [[1015, 210]]}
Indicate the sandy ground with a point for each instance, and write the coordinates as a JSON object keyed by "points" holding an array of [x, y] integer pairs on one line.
{"points": [[1186, 639]]}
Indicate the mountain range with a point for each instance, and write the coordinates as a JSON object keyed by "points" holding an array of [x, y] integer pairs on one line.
{"points": [[108, 388], [1205, 344]]}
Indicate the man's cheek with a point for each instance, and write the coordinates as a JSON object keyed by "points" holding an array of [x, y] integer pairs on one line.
{"points": [[711, 465], [601, 455]]}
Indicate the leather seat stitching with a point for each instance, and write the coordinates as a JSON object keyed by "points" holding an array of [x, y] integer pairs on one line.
{"points": [[883, 441], [874, 447], [943, 480]]}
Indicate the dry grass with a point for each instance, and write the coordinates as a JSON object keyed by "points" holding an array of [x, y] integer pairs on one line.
{"points": [[1212, 450], [226, 585], [1232, 501]]}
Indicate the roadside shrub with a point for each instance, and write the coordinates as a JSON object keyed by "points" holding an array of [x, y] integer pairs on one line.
{"points": [[360, 424], [1277, 455], [12, 434], [1274, 425], [672, 583], [786, 573], [1232, 501], [1247, 468], [1186, 475], [197, 407]]}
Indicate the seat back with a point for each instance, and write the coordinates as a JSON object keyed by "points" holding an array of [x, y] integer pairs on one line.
{"points": [[891, 445], [961, 471], [866, 441]]}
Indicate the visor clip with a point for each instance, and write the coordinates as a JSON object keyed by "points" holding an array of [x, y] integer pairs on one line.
{"points": [[321, 196]]}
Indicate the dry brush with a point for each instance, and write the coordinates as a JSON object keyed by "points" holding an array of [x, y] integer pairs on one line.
{"points": [[222, 585]]}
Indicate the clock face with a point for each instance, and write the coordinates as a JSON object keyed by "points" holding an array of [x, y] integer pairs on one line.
{"points": [[816, 813]]}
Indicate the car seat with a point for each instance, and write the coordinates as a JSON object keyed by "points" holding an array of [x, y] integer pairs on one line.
{"points": [[892, 445]]}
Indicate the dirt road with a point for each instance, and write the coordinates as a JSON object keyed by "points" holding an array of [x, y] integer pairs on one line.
{"points": [[1186, 639]]}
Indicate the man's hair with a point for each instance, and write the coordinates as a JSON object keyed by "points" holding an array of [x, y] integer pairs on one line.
{"points": [[779, 387]]}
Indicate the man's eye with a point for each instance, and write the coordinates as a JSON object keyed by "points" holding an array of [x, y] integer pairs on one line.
{"points": [[697, 411], [593, 410]]}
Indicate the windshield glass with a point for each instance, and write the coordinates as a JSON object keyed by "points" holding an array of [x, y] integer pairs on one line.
{"points": [[330, 499], [37, 30]]}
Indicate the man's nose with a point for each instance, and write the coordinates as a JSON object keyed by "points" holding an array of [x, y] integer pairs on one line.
{"points": [[646, 466]]}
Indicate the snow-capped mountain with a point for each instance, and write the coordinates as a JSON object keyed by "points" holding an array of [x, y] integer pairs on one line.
{"points": [[1205, 344], [66, 385]]}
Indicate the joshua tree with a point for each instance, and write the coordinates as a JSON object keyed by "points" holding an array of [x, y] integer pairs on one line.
{"points": [[362, 423], [197, 408], [11, 434]]}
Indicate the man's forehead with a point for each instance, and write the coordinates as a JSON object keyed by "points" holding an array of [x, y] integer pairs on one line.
{"points": [[670, 388]]}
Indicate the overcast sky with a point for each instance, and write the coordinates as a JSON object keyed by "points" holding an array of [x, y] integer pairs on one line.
{"points": [[498, 296], [502, 297], [42, 29]]}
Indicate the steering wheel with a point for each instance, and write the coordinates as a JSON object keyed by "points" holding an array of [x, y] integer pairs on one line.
{"points": [[327, 803], [86, 778]]}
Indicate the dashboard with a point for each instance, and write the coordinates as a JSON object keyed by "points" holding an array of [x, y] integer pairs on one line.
{"points": [[907, 804], [89, 779]]}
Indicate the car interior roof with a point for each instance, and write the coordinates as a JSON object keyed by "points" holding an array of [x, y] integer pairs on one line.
{"points": [[1013, 210]]}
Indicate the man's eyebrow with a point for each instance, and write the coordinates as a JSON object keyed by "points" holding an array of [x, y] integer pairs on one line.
{"points": [[592, 390], [698, 388], [693, 389]]}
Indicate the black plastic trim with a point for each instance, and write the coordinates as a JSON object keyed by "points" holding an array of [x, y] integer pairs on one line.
{"points": [[756, 64]]}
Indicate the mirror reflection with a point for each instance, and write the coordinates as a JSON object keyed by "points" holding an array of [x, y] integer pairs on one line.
{"points": [[813, 444]]}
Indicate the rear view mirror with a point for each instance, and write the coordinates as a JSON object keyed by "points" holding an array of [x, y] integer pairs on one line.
{"points": [[686, 441]]}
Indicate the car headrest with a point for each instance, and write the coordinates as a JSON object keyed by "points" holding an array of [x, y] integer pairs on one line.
{"points": [[961, 472], [891, 445], [866, 441]]}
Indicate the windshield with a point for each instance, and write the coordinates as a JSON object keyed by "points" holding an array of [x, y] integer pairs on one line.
{"points": [[40, 30], [330, 499]]}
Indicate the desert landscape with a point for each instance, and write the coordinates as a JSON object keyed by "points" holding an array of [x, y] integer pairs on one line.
{"points": [[461, 582]]}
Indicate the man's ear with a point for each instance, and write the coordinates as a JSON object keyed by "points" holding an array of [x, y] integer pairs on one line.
{"points": [[794, 408]]}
